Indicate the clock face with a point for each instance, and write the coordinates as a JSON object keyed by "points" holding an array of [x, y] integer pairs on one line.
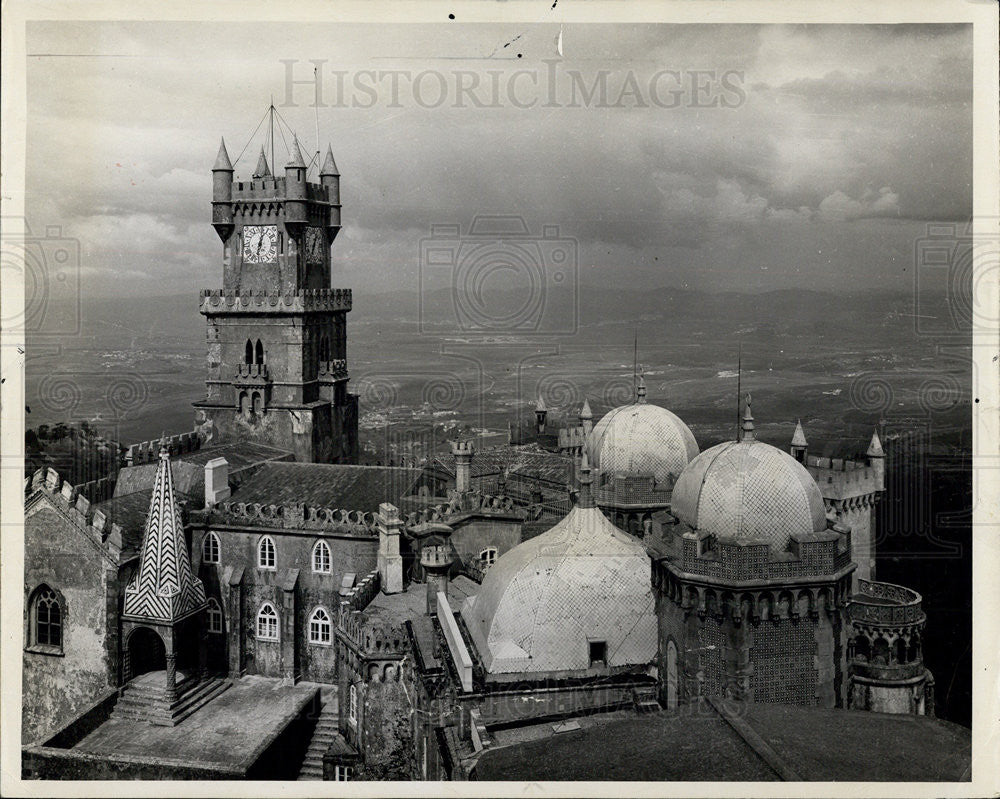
{"points": [[260, 244], [315, 240]]}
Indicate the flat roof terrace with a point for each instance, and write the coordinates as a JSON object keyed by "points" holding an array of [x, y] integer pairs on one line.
{"points": [[228, 734]]}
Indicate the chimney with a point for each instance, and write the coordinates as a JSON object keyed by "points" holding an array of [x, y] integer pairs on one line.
{"points": [[463, 451], [436, 561], [216, 481], [390, 562]]}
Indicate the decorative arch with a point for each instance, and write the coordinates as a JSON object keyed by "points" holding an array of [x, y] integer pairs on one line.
{"points": [[259, 353], [46, 619], [320, 627], [248, 352], [321, 560], [211, 548], [267, 623]]}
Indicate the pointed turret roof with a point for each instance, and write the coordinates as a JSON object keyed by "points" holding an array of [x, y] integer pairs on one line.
{"points": [[799, 436], [540, 405], [329, 165], [747, 433], [262, 170], [875, 447], [164, 589], [585, 412], [222, 162], [296, 159]]}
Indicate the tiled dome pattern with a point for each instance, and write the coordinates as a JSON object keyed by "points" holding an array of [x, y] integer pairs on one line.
{"points": [[641, 438], [542, 601], [749, 490]]}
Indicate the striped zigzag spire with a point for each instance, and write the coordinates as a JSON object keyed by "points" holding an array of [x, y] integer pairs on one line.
{"points": [[164, 589]]}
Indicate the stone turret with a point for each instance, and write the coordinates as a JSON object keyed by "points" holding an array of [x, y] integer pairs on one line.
{"points": [[876, 458], [262, 170], [329, 176], [222, 193], [296, 191], [586, 417], [463, 452], [436, 557], [541, 413], [800, 447]]}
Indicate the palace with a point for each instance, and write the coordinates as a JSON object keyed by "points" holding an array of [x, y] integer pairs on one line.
{"points": [[607, 600]]}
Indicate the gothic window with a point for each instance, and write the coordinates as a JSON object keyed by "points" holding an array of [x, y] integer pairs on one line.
{"points": [[214, 614], [267, 623], [46, 619], [265, 553], [258, 404], [210, 549], [488, 557], [321, 558], [319, 627], [259, 352], [248, 354], [352, 704], [244, 403]]}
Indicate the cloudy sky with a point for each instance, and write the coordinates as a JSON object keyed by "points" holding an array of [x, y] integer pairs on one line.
{"points": [[715, 157]]}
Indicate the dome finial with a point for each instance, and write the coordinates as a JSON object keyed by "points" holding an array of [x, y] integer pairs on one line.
{"points": [[585, 499], [640, 389], [748, 432]]}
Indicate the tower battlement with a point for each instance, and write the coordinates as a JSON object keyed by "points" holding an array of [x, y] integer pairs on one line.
{"points": [[214, 301]]}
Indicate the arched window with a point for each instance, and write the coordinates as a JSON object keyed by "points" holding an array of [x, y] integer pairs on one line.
{"points": [[259, 352], [321, 558], [46, 619], [267, 623], [248, 354], [352, 704], [210, 549], [488, 557], [214, 614], [265, 553], [319, 627]]}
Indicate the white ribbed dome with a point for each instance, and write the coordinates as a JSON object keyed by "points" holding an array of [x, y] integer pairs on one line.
{"points": [[641, 438], [749, 490], [543, 601]]}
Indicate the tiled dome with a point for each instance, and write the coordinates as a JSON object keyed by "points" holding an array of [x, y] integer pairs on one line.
{"points": [[749, 490], [641, 438], [543, 601]]}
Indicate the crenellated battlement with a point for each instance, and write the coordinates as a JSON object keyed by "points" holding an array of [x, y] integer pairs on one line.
{"points": [[297, 517], [149, 451], [217, 301], [333, 370], [461, 503], [76, 504], [372, 635], [839, 478]]}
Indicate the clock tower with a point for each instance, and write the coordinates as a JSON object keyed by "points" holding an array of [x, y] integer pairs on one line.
{"points": [[277, 341]]}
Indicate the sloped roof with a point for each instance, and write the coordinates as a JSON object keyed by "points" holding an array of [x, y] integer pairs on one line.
{"points": [[164, 589], [328, 485]]}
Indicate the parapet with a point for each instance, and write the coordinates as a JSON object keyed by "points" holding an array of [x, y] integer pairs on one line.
{"points": [[886, 605], [76, 504], [839, 478], [297, 517], [149, 451], [215, 302], [461, 502]]}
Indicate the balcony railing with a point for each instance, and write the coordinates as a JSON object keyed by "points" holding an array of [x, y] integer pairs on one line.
{"points": [[885, 604]]}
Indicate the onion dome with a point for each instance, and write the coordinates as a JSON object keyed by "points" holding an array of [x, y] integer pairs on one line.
{"points": [[545, 601], [641, 438], [749, 490]]}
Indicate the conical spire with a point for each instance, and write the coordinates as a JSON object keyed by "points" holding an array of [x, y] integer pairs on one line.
{"points": [[585, 412], [164, 589], [329, 165], [540, 405], [222, 162], [799, 436], [875, 447], [262, 170], [585, 499], [296, 160], [640, 389], [748, 433]]}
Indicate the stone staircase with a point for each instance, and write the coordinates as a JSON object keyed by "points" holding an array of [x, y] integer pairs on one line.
{"points": [[323, 735], [645, 700], [144, 698]]}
